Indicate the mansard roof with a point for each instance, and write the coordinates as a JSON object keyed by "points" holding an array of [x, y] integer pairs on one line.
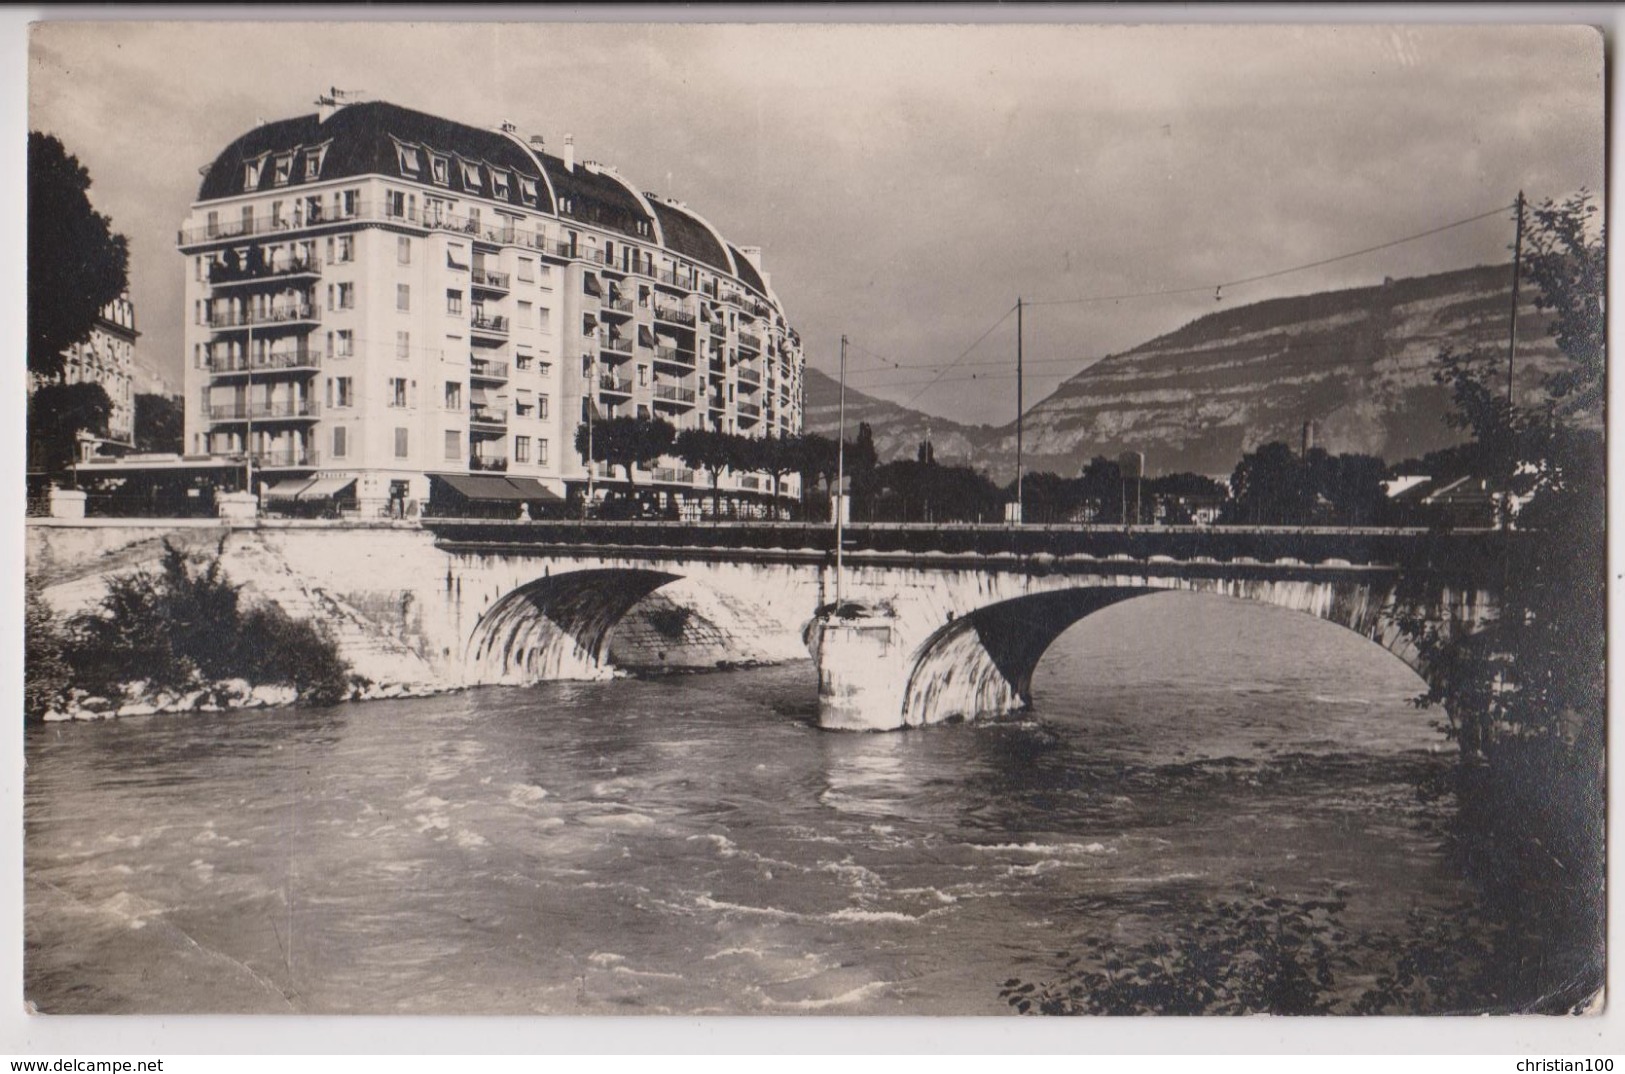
{"points": [[367, 139]]}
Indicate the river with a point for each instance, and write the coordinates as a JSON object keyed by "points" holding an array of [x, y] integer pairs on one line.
{"points": [[694, 844]]}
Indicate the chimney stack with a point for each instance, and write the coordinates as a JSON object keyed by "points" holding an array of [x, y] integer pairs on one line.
{"points": [[569, 152]]}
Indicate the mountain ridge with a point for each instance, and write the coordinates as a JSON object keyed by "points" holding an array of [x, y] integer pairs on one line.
{"points": [[1357, 362]]}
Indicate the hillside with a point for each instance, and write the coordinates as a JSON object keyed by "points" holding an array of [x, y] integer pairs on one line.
{"points": [[1357, 362]]}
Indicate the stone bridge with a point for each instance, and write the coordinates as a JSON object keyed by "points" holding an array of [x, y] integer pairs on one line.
{"points": [[935, 623]]}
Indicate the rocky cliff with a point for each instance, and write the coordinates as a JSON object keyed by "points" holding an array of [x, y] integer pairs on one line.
{"points": [[1357, 362]]}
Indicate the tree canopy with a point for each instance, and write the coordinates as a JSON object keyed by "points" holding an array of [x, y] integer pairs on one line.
{"points": [[76, 263], [57, 413]]}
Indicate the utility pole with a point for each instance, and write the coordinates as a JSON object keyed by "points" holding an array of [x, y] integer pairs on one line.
{"points": [[840, 483], [592, 408], [248, 395], [1019, 408], [1517, 271]]}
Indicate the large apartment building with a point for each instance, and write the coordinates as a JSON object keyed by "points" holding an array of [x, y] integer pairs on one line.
{"points": [[384, 305]]}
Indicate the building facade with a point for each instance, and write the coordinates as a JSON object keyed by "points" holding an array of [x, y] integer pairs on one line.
{"points": [[106, 357], [378, 298]]}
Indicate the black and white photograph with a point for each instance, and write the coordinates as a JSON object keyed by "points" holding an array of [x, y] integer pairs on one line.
{"points": [[990, 518]]}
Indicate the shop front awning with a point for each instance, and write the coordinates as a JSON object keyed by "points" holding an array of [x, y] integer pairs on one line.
{"points": [[288, 489], [326, 488], [489, 487]]}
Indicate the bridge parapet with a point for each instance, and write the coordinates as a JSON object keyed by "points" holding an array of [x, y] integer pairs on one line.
{"points": [[1455, 552]]}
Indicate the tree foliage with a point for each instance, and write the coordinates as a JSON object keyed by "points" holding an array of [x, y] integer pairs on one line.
{"points": [[1275, 486], [159, 422], [185, 624], [57, 414], [47, 671], [627, 442], [76, 263], [1539, 669]]}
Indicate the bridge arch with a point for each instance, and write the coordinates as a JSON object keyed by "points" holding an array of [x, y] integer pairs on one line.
{"points": [[557, 626], [981, 661]]}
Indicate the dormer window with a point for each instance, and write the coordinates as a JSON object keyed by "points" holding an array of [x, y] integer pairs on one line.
{"points": [[499, 184], [567, 205], [407, 157], [441, 169], [251, 173], [471, 175], [313, 162], [527, 190], [283, 169]]}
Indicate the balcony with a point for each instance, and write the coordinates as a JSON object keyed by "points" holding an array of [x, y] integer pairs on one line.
{"points": [[716, 402], [750, 341], [482, 370], [674, 315], [673, 356], [674, 395], [750, 481], [221, 277], [325, 218], [301, 316], [295, 362], [749, 410], [482, 325], [282, 458], [495, 463], [621, 307], [749, 378], [263, 410], [484, 280], [609, 382], [491, 418], [719, 330], [609, 343]]}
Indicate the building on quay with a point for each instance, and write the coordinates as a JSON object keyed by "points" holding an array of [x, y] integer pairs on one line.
{"points": [[105, 357], [388, 307]]}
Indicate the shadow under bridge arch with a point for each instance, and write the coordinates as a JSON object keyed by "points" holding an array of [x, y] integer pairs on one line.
{"points": [[981, 663], [557, 627]]}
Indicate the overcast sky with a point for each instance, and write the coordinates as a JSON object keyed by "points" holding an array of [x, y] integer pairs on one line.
{"points": [[908, 183]]}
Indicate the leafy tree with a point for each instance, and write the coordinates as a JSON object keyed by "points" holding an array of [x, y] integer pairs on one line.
{"points": [[158, 423], [774, 456], [47, 675], [76, 264], [1538, 670], [861, 460], [815, 460], [57, 414], [627, 442], [708, 450]]}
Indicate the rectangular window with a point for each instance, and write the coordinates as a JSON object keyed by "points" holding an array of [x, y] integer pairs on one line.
{"points": [[403, 344], [454, 302], [521, 361], [397, 391], [344, 344], [522, 409], [541, 452], [499, 184], [454, 444], [541, 407], [544, 276], [544, 368], [471, 175], [544, 319], [403, 296], [454, 395], [521, 449], [313, 161], [284, 169], [400, 443], [643, 376], [248, 219], [407, 157], [341, 441], [527, 270], [403, 249], [441, 169], [341, 296], [349, 203], [340, 249], [527, 189], [339, 394]]}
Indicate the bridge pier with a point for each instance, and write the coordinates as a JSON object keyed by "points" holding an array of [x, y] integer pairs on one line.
{"points": [[862, 673]]}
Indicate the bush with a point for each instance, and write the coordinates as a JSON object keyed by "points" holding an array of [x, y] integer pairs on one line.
{"points": [[186, 623], [46, 671]]}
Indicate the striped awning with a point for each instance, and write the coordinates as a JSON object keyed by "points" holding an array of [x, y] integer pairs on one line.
{"points": [[287, 490]]}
